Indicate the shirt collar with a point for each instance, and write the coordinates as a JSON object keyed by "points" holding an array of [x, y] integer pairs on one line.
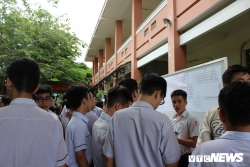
{"points": [[105, 116], [81, 116], [23, 101], [184, 114], [142, 104], [234, 135]]}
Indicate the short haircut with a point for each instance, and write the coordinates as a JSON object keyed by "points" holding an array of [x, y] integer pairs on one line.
{"points": [[64, 97], [153, 82], [34, 97], [24, 74], [179, 92], [5, 100], [75, 94], [234, 101], [131, 84], [44, 89], [229, 73], [52, 108], [99, 103], [118, 94]]}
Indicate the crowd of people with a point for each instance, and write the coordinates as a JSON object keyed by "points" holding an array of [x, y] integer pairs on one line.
{"points": [[125, 130]]}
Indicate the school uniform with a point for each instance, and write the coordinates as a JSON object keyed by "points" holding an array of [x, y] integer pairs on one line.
{"points": [[64, 119], [229, 142], [92, 117], [53, 115], [141, 136], [98, 111], [212, 127], [30, 136], [185, 127], [99, 132], [78, 138]]}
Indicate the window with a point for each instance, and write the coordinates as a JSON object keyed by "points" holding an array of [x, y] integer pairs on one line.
{"points": [[153, 25], [122, 53], [126, 50], [146, 32]]}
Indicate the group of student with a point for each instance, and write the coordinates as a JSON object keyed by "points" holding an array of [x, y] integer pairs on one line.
{"points": [[129, 132]]}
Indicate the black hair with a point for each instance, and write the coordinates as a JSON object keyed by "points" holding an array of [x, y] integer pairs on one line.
{"points": [[34, 97], [52, 108], [153, 82], [5, 100], [64, 97], [234, 69], [99, 103], [44, 89], [24, 74], [118, 94], [179, 92], [129, 83], [75, 94], [234, 101]]}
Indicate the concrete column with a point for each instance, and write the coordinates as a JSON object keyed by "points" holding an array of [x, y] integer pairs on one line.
{"points": [[100, 59], [96, 65], [176, 53], [107, 50], [93, 71], [136, 22], [118, 39]]}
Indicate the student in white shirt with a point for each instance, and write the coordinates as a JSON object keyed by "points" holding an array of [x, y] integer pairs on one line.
{"points": [[91, 115], [139, 136], [212, 127], [132, 86], [234, 113], [185, 125], [77, 136], [44, 98], [119, 97], [29, 136]]}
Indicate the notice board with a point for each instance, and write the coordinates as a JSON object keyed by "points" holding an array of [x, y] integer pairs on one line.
{"points": [[202, 84]]}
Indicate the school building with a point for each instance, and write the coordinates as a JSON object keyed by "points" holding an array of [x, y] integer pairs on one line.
{"points": [[134, 37]]}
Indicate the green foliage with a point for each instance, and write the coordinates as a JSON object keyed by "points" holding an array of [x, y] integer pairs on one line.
{"points": [[36, 34], [99, 93]]}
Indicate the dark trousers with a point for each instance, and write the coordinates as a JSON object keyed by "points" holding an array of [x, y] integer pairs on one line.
{"points": [[183, 162]]}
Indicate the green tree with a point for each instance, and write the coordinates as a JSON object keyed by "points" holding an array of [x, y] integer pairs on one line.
{"points": [[36, 34]]}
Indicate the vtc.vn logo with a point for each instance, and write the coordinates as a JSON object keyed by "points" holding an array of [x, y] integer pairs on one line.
{"points": [[217, 157]]}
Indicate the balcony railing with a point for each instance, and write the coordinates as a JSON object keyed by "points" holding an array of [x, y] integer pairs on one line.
{"points": [[124, 44], [110, 59], [150, 17]]}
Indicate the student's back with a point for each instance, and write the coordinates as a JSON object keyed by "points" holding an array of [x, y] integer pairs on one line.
{"points": [[30, 136], [142, 137]]}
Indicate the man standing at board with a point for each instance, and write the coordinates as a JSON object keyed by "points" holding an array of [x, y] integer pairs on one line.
{"points": [[212, 127], [185, 125]]}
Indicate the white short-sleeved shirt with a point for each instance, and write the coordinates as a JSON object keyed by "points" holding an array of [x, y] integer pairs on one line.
{"points": [[141, 136], [30, 136], [53, 114], [185, 127], [99, 131], [64, 119], [229, 142], [98, 111], [92, 117], [78, 138]]}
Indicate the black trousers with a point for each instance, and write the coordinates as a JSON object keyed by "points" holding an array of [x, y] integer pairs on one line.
{"points": [[183, 162]]}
